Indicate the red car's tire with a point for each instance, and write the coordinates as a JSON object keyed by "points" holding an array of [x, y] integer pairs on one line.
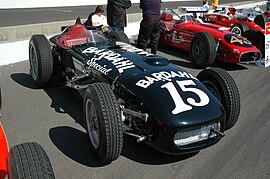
{"points": [[41, 60], [260, 20], [239, 28], [29, 160], [103, 122], [257, 39], [202, 49], [221, 84]]}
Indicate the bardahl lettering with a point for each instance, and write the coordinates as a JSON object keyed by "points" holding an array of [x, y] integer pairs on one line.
{"points": [[116, 59], [131, 48], [162, 76]]}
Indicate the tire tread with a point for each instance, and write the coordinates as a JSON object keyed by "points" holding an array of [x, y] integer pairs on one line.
{"points": [[232, 96], [29, 160], [44, 57], [205, 37], [112, 121]]}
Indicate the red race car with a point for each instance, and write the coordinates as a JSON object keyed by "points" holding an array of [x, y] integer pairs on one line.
{"points": [[205, 42], [255, 14], [232, 18]]}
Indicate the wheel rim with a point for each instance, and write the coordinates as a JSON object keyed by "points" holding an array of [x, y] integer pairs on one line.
{"points": [[198, 50], [34, 62], [92, 123], [236, 30], [212, 88]]}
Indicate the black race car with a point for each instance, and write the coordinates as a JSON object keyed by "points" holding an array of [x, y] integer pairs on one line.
{"points": [[126, 90]]}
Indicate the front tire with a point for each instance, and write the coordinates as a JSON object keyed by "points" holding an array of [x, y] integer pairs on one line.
{"points": [[41, 60], [103, 122], [257, 38], [239, 28], [222, 85], [203, 49], [29, 160], [260, 20]]}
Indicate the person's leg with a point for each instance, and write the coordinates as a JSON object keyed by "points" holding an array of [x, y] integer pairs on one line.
{"points": [[146, 27], [154, 38], [117, 29], [121, 29]]}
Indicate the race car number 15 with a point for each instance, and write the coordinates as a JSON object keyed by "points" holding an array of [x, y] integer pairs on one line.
{"points": [[180, 105]]}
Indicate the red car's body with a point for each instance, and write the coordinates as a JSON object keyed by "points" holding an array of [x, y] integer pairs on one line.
{"points": [[180, 31], [3, 153], [230, 19]]}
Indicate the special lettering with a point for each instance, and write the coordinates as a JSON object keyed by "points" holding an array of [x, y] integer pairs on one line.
{"points": [[116, 59], [93, 64]]}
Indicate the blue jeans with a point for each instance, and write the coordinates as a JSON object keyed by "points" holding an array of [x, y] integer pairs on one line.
{"points": [[117, 29]]}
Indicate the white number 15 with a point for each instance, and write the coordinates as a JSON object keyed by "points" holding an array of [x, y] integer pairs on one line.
{"points": [[180, 105]]}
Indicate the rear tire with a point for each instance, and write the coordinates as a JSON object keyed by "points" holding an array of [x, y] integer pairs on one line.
{"points": [[119, 36], [41, 60], [203, 49], [103, 122], [29, 160], [260, 20], [239, 28], [222, 85], [257, 38]]}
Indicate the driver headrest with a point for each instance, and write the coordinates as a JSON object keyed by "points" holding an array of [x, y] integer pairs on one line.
{"points": [[168, 17]]}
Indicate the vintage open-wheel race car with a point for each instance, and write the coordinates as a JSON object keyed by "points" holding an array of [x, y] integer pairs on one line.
{"points": [[126, 90]]}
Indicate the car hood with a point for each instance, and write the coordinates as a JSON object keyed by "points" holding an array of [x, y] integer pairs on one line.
{"points": [[175, 97]]}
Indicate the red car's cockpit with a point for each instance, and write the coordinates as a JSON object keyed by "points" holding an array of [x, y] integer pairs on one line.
{"points": [[169, 19]]}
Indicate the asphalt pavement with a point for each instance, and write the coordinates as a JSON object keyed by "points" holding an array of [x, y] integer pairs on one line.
{"points": [[53, 118]]}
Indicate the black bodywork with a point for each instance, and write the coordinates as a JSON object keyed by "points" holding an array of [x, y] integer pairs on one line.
{"points": [[149, 85], [126, 90]]}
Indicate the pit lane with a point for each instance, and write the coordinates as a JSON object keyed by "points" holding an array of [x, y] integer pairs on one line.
{"points": [[53, 118]]}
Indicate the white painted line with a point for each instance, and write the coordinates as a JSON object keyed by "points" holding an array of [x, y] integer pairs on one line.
{"points": [[13, 52]]}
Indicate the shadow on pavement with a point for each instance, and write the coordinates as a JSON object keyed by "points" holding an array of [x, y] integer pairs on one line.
{"points": [[142, 153], [24, 80], [74, 144], [64, 99]]}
